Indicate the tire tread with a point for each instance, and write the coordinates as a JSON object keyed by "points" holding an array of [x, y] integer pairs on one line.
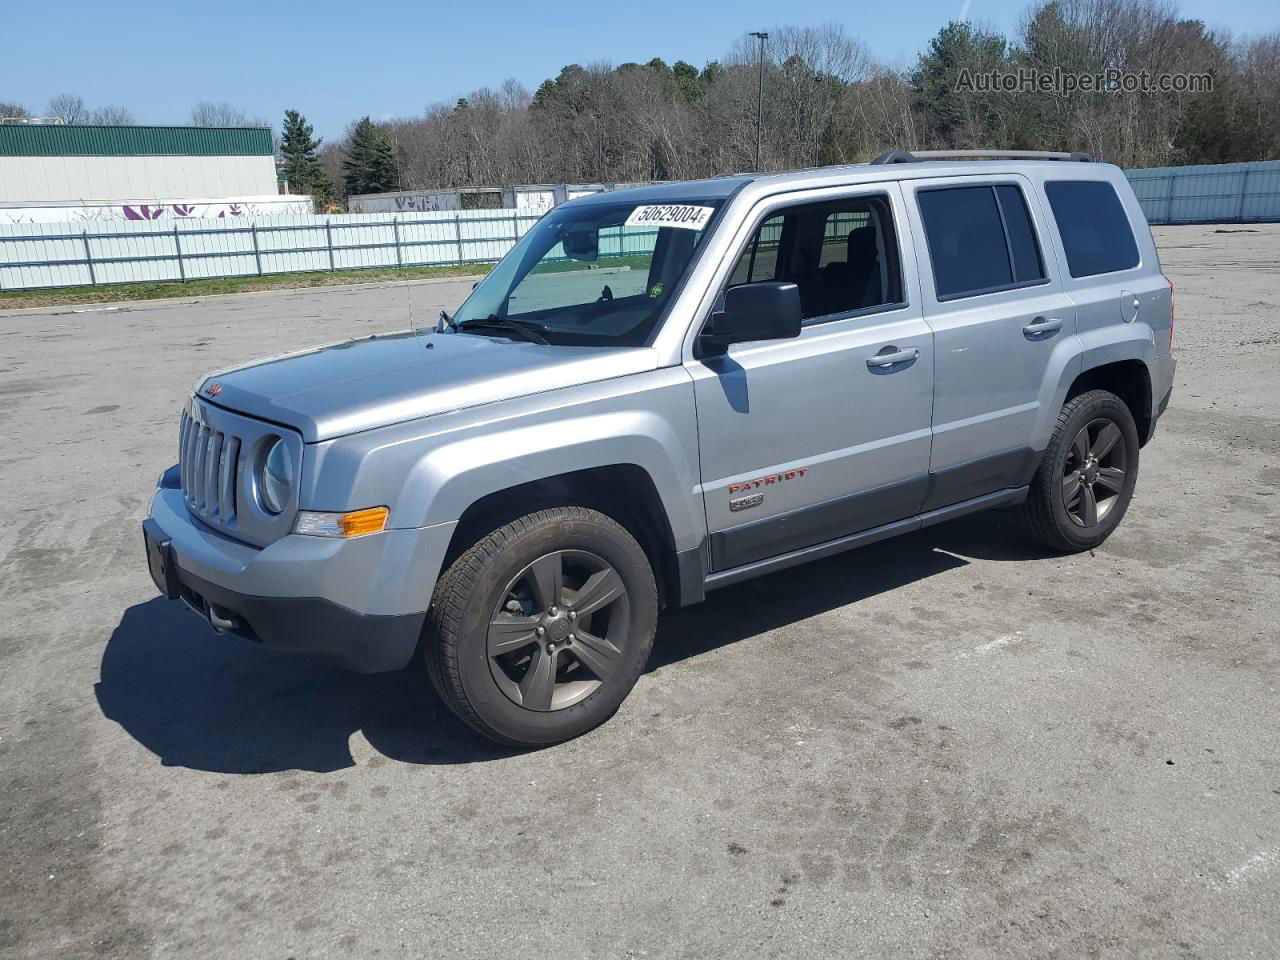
{"points": [[456, 587], [1036, 512]]}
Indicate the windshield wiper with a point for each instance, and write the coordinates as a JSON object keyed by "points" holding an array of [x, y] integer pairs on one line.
{"points": [[526, 330]]}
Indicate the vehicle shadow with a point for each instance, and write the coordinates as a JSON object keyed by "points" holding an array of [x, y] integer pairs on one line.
{"points": [[757, 606], [216, 703], [219, 704]]}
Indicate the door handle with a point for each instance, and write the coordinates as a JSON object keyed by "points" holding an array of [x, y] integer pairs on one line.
{"points": [[1042, 327], [889, 356]]}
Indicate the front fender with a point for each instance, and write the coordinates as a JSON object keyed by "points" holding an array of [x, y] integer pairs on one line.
{"points": [[451, 477], [429, 472]]}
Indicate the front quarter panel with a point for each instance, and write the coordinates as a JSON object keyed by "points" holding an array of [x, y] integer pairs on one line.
{"points": [[429, 471]]}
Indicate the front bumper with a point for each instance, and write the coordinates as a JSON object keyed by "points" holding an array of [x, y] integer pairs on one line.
{"points": [[359, 603]]}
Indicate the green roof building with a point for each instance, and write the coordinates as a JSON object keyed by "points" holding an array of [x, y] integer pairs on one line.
{"points": [[53, 163]]}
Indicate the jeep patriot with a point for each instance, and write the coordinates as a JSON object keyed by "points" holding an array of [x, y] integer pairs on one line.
{"points": [[665, 390]]}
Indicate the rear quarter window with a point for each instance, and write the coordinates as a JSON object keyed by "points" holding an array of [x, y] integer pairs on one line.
{"points": [[1095, 230]]}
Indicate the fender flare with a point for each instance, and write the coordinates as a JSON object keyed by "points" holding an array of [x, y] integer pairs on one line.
{"points": [[1096, 348], [451, 476]]}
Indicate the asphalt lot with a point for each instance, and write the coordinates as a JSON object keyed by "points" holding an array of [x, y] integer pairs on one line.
{"points": [[948, 745]]}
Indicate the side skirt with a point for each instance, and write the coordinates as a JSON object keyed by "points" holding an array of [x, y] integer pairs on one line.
{"points": [[1001, 498], [775, 536]]}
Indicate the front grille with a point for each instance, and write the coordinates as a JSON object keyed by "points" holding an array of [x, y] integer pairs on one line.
{"points": [[209, 465], [218, 456]]}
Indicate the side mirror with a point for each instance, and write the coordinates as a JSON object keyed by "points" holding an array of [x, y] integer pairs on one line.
{"points": [[581, 243], [754, 311]]}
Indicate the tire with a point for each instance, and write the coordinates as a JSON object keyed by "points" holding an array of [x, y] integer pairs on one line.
{"points": [[1086, 478], [511, 617]]}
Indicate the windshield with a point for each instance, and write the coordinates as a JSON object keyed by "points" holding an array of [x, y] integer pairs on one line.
{"points": [[594, 275]]}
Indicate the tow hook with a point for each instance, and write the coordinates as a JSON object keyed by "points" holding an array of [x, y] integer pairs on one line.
{"points": [[222, 620]]}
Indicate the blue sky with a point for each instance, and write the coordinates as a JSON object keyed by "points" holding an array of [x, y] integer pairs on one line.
{"points": [[338, 61]]}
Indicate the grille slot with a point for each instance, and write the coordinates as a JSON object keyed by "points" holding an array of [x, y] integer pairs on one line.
{"points": [[208, 466]]}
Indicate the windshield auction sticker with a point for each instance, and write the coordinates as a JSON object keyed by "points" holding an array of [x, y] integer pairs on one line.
{"points": [[670, 215]]}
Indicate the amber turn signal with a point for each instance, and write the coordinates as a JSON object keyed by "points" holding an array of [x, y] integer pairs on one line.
{"points": [[357, 523], [361, 522]]}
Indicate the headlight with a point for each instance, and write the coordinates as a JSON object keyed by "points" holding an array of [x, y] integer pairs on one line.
{"points": [[275, 482], [356, 523]]}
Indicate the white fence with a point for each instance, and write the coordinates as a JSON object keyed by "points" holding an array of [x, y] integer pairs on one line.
{"points": [[33, 256], [39, 255]]}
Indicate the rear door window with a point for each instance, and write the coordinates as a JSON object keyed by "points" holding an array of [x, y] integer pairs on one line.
{"points": [[1095, 230], [1024, 251], [981, 240]]}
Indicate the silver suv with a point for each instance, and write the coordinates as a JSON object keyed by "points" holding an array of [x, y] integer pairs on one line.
{"points": [[662, 391]]}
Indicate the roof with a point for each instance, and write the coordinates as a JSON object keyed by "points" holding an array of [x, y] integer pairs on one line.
{"points": [[717, 189], [91, 140], [845, 174]]}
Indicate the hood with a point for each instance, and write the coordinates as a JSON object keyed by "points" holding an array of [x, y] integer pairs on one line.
{"points": [[392, 378]]}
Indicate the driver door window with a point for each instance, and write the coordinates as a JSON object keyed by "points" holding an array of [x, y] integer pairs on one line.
{"points": [[842, 254], [760, 260]]}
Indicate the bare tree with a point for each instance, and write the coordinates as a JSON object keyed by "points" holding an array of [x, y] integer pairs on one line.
{"points": [[815, 65], [208, 113], [13, 110], [1259, 82], [70, 108], [112, 115], [878, 114], [826, 101], [807, 73], [1130, 127]]}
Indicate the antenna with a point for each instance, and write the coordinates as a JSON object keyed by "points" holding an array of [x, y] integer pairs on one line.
{"points": [[408, 287]]}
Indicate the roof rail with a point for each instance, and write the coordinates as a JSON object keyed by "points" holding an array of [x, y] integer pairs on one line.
{"points": [[907, 156]]}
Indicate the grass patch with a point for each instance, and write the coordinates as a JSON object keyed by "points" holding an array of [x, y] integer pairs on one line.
{"points": [[58, 296]]}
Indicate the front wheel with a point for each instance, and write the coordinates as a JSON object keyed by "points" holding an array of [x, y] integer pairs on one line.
{"points": [[538, 632], [1086, 477]]}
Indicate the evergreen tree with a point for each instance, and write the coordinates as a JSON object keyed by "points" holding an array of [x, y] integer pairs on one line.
{"points": [[299, 152], [686, 77], [370, 164], [960, 117]]}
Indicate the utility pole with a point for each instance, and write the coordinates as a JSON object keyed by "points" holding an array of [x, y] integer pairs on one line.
{"points": [[762, 37]]}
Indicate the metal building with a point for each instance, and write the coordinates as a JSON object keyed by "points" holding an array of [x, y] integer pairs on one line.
{"points": [[56, 172]]}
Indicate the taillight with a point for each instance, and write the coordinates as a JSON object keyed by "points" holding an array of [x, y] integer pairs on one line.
{"points": [[1170, 283]]}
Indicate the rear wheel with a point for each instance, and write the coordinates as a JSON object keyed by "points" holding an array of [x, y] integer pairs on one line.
{"points": [[539, 631], [1086, 479]]}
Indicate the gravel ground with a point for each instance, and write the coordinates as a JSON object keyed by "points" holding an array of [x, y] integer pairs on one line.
{"points": [[948, 745]]}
